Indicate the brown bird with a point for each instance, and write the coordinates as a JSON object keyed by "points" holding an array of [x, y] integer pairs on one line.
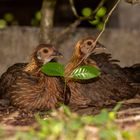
{"points": [[27, 87], [112, 86], [81, 49]]}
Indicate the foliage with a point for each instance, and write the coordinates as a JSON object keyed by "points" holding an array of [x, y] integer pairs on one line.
{"points": [[62, 124], [83, 72], [99, 15], [53, 69], [86, 12], [97, 20], [7, 19], [3, 23], [36, 19]]}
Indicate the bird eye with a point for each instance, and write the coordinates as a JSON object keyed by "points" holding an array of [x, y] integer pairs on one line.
{"points": [[45, 51], [89, 43]]}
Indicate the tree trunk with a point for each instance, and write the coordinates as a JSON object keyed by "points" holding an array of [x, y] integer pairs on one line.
{"points": [[46, 26]]}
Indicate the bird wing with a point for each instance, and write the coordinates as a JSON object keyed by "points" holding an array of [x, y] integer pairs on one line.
{"points": [[133, 73], [112, 86], [36, 92], [7, 78]]}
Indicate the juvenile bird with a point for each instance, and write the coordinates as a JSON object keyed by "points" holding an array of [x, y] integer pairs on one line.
{"points": [[27, 87], [109, 88], [81, 49]]}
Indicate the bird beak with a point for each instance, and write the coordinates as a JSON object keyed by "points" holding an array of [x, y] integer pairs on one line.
{"points": [[99, 46], [57, 54]]}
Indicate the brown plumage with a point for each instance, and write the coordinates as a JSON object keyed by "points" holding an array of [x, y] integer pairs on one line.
{"points": [[81, 49], [27, 87], [112, 86]]}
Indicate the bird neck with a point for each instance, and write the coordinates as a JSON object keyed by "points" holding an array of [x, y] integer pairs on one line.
{"points": [[32, 67], [73, 63]]}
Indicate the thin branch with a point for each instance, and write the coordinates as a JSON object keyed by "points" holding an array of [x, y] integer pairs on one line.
{"points": [[104, 26], [129, 111], [98, 7], [73, 8], [77, 22], [129, 119], [86, 18]]}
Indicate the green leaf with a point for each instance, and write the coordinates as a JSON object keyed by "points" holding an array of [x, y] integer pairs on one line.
{"points": [[95, 21], [9, 17], [85, 72], [67, 110], [100, 26], [117, 107], [101, 12], [101, 118], [75, 124], [87, 119], [108, 134], [86, 12], [3, 23], [127, 134], [38, 15], [53, 69]]}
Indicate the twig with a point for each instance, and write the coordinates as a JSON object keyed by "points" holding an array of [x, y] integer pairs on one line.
{"points": [[104, 26], [89, 17], [129, 111], [73, 8], [128, 119], [132, 101], [73, 26], [99, 6]]}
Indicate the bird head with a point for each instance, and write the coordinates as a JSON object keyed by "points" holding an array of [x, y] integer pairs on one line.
{"points": [[45, 53], [85, 45], [83, 48]]}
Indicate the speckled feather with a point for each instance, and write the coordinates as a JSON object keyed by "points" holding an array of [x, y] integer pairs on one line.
{"points": [[36, 92], [9, 77]]}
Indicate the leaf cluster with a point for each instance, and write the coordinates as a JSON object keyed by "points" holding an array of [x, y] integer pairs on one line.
{"points": [[83, 72]]}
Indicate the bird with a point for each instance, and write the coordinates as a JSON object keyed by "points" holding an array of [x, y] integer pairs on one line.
{"points": [[111, 86], [81, 49], [26, 87]]}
